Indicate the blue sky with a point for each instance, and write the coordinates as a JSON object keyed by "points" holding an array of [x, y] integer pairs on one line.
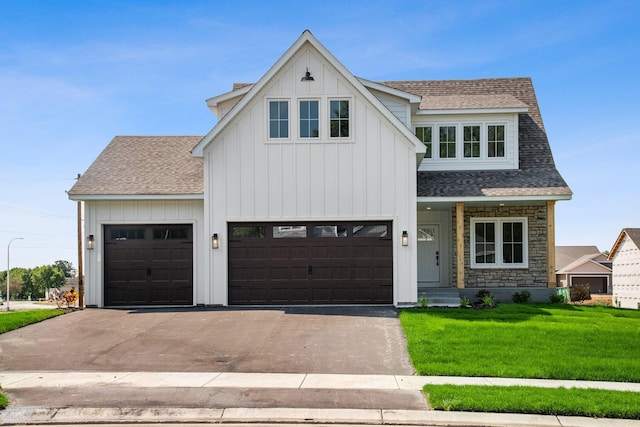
{"points": [[73, 74]]}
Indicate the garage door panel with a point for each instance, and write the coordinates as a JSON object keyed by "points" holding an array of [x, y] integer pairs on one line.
{"points": [[148, 265], [334, 264]]}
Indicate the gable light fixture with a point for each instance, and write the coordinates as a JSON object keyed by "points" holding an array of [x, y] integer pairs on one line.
{"points": [[215, 242], [405, 238], [90, 242], [307, 77]]}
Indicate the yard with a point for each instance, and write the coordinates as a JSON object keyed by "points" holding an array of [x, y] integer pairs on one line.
{"points": [[527, 341]]}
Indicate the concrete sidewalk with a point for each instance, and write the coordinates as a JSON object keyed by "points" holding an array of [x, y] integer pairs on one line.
{"points": [[309, 385]]}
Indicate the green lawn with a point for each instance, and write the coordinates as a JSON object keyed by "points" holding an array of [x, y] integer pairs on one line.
{"points": [[526, 341], [535, 400], [17, 319]]}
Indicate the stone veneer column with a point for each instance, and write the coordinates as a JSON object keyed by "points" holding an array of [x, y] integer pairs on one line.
{"points": [[551, 244]]}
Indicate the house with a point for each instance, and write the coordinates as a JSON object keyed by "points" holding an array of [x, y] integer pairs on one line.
{"points": [[318, 187], [579, 265], [625, 256]]}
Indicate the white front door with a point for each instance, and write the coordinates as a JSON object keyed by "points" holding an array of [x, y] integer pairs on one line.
{"points": [[429, 255]]}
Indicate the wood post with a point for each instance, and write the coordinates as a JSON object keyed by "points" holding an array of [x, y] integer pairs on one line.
{"points": [[551, 244], [460, 245]]}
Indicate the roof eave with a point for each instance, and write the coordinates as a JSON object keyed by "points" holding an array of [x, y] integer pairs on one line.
{"points": [[91, 197], [473, 111], [494, 199]]}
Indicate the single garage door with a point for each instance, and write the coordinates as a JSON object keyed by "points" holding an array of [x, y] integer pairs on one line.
{"points": [[310, 263], [148, 265]]}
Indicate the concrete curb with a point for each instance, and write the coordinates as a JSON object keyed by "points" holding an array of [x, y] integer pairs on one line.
{"points": [[62, 416]]}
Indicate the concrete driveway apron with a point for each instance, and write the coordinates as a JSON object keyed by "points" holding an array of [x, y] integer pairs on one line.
{"points": [[328, 340]]}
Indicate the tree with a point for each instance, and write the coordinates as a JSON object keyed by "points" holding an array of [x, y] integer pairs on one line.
{"points": [[66, 267], [45, 277]]}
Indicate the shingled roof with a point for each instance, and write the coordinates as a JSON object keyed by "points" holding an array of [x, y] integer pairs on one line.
{"points": [[144, 165], [537, 175]]}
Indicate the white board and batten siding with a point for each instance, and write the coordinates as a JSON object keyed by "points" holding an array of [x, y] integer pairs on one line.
{"points": [[626, 275], [369, 176], [99, 213]]}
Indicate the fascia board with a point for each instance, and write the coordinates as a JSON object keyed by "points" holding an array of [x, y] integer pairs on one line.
{"points": [[472, 111], [86, 197], [496, 199]]}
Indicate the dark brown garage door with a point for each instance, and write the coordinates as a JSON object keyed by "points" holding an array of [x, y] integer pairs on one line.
{"points": [[310, 263], [148, 265]]}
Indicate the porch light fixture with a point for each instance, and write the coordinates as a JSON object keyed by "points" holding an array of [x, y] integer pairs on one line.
{"points": [[405, 238], [307, 77], [215, 242], [90, 242]]}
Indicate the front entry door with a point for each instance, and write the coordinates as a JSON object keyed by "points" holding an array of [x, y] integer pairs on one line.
{"points": [[429, 255]]}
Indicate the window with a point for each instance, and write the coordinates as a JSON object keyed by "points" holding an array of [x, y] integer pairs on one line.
{"points": [[289, 231], [495, 141], [471, 141], [309, 121], [499, 242], [339, 118], [424, 135], [447, 142], [248, 232], [278, 119], [374, 230]]}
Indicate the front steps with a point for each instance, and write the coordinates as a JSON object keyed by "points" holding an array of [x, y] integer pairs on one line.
{"points": [[440, 297]]}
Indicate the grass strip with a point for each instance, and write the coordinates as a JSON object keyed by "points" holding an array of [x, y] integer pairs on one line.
{"points": [[557, 341], [535, 400], [17, 319], [4, 402]]}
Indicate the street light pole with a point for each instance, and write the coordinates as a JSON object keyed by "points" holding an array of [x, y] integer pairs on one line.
{"points": [[9, 268]]}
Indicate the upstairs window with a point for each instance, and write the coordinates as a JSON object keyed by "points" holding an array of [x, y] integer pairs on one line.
{"points": [[309, 119], [495, 141], [339, 118], [278, 119], [424, 135], [471, 143], [447, 142]]}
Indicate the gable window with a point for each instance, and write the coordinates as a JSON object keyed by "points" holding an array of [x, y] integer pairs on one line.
{"points": [[339, 118], [495, 141], [447, 142], [499, 243], [471, 143], [309, 119], [278, 119], [424, 135]]}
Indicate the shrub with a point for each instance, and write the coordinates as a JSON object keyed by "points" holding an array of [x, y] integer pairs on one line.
{"points": [[521, 297], [465, 302], [580, 292], [557, 299], [481, 294], [488, 301]]}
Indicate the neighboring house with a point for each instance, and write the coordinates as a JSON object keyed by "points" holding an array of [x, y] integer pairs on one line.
{"points": [[318, 187], [625, 256], [579, 265]]}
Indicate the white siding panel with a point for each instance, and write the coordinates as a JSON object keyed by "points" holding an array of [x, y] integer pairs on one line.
{"points": [[374, 171], [289, 184], [345, 172], [246, 165], [330, 175], [626, 275], [303, 182], [316, 180], [274, 162]]}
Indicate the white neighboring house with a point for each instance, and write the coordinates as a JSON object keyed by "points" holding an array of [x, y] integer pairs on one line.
{"points": [[625, 256], [319, 187]]}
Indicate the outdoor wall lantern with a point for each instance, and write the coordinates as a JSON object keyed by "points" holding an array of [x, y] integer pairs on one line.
{"points": [[90, 242], [215, 242], [405, 238], [307, 77]]}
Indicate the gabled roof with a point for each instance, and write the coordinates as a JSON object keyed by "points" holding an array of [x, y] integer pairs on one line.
{"points": [[305, 38], [537, 175], [634, 235], [566, 255], [143, 166]]}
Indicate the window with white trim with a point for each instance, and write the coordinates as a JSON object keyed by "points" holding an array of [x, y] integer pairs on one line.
{"points": [[495, 141], [447, 142], [424, 134], [309, 119], [339, 118], [471, 141], [499, 243], [278, 119]]}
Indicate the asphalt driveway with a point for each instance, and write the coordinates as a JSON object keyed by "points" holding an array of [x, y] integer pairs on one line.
{"points": [[326, 340]]}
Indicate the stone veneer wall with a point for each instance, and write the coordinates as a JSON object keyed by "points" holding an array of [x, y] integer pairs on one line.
{"points": [[534, 276]]}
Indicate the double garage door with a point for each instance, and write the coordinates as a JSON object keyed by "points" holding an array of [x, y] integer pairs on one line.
{"points": [[148, 265], [310, 263]]}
